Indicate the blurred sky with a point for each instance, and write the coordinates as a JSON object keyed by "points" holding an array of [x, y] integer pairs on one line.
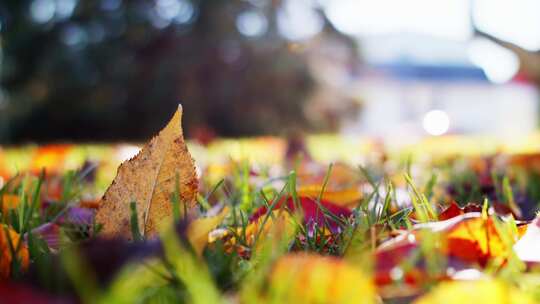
{"points": [[451, 20], [517, 21]]}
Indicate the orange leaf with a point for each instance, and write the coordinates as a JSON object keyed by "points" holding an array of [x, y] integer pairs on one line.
{"points": [[50, 157], [468, 237], [4, 173], [6, 257], [149, 180], [475, 239], [9, 201], [343, 197], [89, 203], [341, 175]]}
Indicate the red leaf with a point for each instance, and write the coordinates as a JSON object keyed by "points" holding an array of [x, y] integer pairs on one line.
{"points": [[312, 211]]}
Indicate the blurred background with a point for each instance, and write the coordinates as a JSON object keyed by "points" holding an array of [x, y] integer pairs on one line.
{"points": [[110, 70]]}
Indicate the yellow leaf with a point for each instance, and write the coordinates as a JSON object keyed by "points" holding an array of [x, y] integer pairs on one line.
{"points": [[309, 278], [482, 291], [342, 197], [149, 179], [264, 230], [200, 228]]}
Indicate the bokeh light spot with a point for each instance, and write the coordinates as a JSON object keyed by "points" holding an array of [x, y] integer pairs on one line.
{"points": [[298, 20], [42, 11], [251, 23], [74, 35], [65, 8], [436, 122]]}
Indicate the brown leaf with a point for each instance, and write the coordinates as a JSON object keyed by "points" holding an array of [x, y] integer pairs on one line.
{"points": [[149, 179]]}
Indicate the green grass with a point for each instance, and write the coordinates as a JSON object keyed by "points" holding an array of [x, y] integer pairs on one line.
{"points": [[227, 272]]}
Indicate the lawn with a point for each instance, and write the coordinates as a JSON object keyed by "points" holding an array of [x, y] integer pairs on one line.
{"points": [[322, 219]]}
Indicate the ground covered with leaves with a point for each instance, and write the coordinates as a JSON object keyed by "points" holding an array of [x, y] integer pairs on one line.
{"points": [[282, 226]]}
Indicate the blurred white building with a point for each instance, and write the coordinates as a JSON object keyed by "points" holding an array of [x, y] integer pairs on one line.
{"points": [[397, 108], [426, 74], [422, 56]]}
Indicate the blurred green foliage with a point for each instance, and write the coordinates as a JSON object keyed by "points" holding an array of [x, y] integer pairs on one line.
{"points": [[112, 69]]}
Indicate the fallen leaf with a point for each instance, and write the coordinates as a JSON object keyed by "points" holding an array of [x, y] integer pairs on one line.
{"points": [[278, 224], [389, 259], [451, 211], [470, 237], [50, 233], [475, 240], [4, 172], [263, 228], [10, 241], [309, 278], [313, 214], [89, 204], [149, 179], [20, 293], [8, 202], [51, 157], [481, 291], [21, 183], [341, 175], [199, 230], [343, 196], [467, 239]]}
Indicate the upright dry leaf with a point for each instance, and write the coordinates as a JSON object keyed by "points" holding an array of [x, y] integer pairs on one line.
{"points": [[149, 179]]}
